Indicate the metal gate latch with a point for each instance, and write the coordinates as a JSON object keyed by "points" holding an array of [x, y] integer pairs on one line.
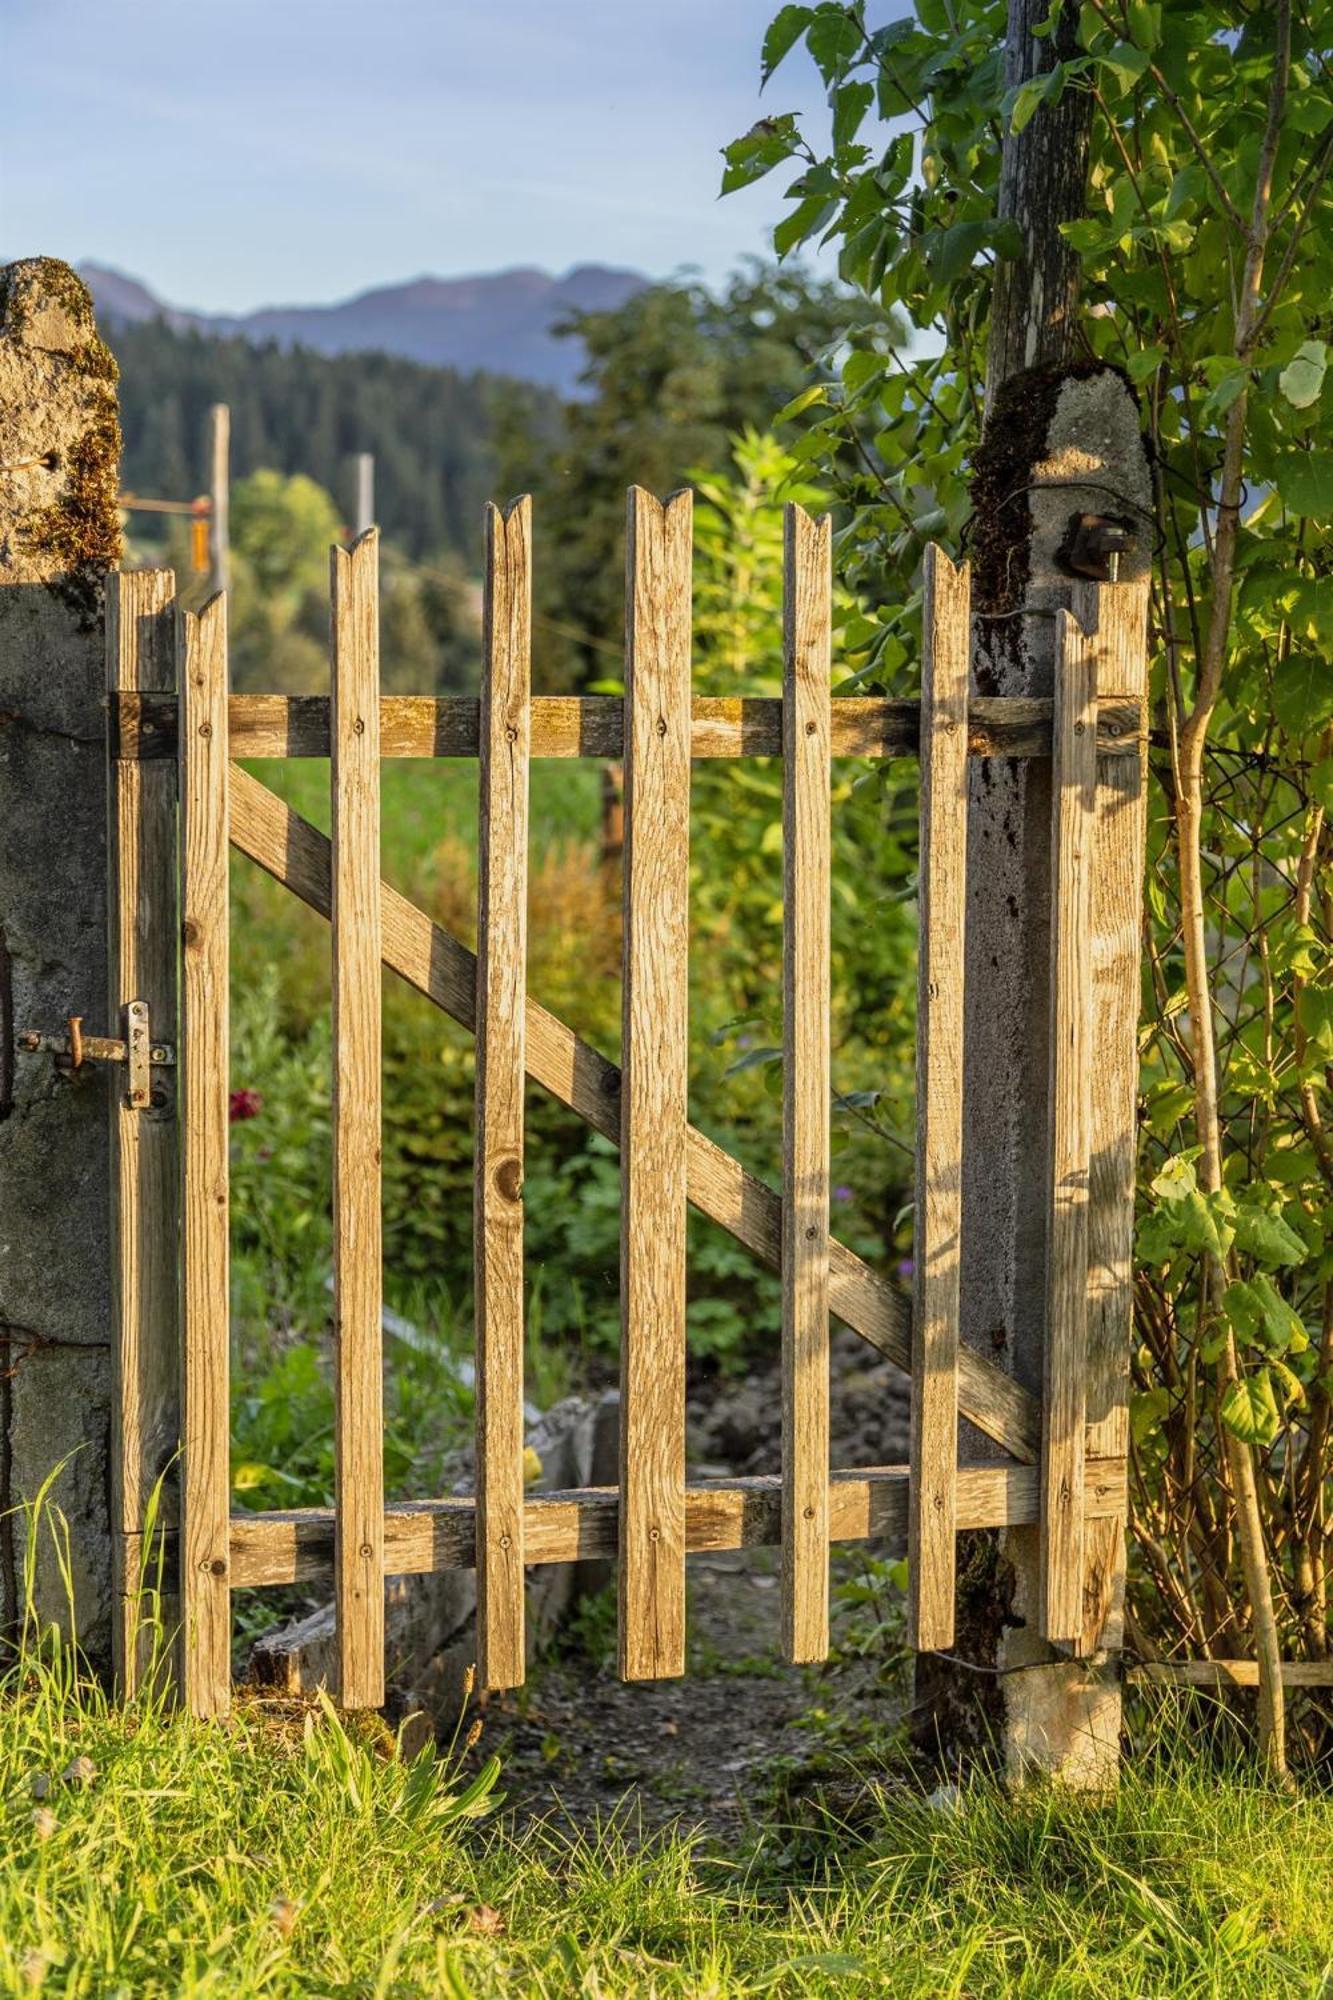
{"points": [[135, 1048]]}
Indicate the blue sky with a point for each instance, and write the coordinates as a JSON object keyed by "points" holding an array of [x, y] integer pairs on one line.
{"points": [[261, 151]]}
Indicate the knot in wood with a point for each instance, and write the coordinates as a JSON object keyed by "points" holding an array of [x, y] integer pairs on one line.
{"points": [[509, 1178], [661, 725]]}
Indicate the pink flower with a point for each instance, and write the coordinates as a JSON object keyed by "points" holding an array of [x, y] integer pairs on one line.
{"points": [[245, 1104]]}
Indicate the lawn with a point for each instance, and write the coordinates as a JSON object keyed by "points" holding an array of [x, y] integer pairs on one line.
{"points": [[282, 1854]]}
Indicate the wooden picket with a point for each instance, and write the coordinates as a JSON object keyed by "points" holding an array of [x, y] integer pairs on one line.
{"points": [[205, 1254], [1055, 1477], [806, 710], [502, 904], [357, 1279], [942, 883], [1073, 793], [141, 656], [654, 1086]]}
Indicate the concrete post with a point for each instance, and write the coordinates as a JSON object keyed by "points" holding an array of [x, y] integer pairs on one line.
{"points": [[59, 536]]}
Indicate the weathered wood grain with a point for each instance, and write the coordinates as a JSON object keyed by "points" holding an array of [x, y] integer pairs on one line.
{"points": [[653, 1119], [1073, 802], [427, 1536], [1230, 1673], [437, 965], [1116, 617], [357, 1094], [204, 1247], [941, 904], [145, 1190], [297, 725], [502, 901], [807, 871]]}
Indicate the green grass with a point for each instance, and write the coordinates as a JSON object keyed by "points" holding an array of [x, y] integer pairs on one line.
{"points": [[280, 1854]]}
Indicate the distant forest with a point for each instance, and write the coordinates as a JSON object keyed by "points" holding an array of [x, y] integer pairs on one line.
{"points": [[431, 429]]}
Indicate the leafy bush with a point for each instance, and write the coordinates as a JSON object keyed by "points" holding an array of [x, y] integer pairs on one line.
{"points": [[1201, 263]]}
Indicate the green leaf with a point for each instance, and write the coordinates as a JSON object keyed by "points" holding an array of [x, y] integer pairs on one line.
{"points": [[1314, 1010], [1145, 23], [1305, 481], [834, 39], [1320, 784], [951, 252], [1145, 363], [851, 101], [1123, 66], [1303, 377], [1030, 96], [753, 1059], [758, 151], [784, 31], [816, 393], [804, 221], [1303, 695], [1259, 1316], [1147, 1411], [1167, 1104], [1250, 1411], [1176, 1178]]}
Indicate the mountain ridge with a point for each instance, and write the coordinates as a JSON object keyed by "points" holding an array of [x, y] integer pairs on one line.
{"points": [[499, 321]]}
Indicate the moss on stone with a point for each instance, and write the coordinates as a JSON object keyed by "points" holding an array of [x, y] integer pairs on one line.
{"points": [[78, 537]]}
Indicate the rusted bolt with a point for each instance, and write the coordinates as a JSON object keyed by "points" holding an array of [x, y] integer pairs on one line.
{"points": [[205, 729], [366, 1551], [511, 734], [506, 1542], [218, 1566], [359, 726]]}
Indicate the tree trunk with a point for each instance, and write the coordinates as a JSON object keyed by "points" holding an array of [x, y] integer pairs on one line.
{"points": [[1043, 177], [1051, 421]]}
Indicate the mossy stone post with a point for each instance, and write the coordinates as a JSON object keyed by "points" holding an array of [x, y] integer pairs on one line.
{"points": [[59, 536], [1062, 437]]}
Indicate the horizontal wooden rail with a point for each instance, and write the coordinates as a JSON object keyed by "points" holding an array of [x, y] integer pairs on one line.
{"points": [[1230, 1673], [423, 953], [297, 725], [425, 1536]]}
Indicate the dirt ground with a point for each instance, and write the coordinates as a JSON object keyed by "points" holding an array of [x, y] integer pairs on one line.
{"points": [[734, 1739]]}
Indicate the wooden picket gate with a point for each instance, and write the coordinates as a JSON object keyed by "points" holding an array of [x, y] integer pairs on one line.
{"points": [[179, 799]]}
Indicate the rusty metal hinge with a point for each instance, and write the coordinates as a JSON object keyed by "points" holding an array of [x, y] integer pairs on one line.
{"points": [[134, 1047]]}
